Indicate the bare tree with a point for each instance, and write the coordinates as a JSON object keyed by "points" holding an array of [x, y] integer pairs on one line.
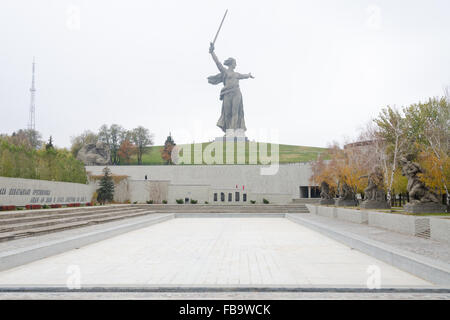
{"points": [[112, 137], [141, 138]]}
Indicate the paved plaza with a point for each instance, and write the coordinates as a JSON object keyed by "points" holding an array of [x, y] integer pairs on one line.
{"points": [[212, 251]]}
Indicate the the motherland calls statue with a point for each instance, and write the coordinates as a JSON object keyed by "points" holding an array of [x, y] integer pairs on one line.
{"points": [[326, 196], [232, 116], [421, 199], [374, 195], [94, 154], [231, 120]]}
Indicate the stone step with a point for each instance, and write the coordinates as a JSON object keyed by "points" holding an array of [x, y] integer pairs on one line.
{"points": [[49, 222], [7, 236], [231, 211], [42, 212], [301, 208], [58, 215], [306, 200], [207, 206]]}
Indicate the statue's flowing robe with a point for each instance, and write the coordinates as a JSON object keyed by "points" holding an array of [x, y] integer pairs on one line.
{"points": [[232, 116]]}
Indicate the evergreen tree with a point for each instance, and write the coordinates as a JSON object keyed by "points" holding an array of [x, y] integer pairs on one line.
{"points": [[106, 191], [49, 145]]}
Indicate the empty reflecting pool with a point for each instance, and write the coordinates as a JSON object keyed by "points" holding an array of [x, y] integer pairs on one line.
{"points": [[213, 251]]}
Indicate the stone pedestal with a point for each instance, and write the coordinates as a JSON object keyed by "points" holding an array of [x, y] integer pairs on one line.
{"points": [[345, 203], [374, 204], [225, 139], [231, 135], [426, 207], [326, 201]]}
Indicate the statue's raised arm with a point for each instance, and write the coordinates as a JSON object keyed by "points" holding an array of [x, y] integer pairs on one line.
{"points": [[216, 60]]}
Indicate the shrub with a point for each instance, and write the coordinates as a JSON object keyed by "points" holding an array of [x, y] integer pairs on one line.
{"points": [[5, 208], [193, 201], [149, 201], [252, 201], [72, 205], [180, 201], [206, 202], [94, 197], [45, 206], [265, 201], [164, 201], [135, 202], [19, 208]]}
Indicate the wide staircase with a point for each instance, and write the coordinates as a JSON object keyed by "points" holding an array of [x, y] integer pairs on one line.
{"points": [[20, 224], [17, 224], [209, 208], [306, 200]]}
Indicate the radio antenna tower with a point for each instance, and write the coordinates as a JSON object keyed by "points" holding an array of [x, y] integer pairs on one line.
{"points": [[32, 123]]}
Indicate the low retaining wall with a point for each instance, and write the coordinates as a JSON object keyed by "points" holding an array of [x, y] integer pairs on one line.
{"points": [[351, 215], [440, 229], [20, 192], [427, 227], [394, 222], [329, 212]]}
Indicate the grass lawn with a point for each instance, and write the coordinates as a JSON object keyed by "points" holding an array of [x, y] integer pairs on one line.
{"points": [[396, 210], [287, 153], [400, 210]]}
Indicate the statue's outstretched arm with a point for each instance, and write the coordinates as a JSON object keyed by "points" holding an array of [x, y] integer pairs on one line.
{"points": [[245, 76], [216, 60]]}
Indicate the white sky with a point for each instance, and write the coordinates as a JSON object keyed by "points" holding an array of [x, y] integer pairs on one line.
{"points": [[323, 68]]}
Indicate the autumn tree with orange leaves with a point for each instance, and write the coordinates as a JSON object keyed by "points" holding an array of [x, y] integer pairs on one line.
{"points": [[421, 130], [347, 165], [126, 151], [166, 152]]}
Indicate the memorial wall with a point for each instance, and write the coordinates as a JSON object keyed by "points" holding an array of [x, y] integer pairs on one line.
{"points": [[286, 180], [22, 192]]}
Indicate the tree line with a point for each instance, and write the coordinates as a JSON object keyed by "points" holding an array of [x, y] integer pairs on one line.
{"points": [[25, 155], [123, 144], [419, 131]]}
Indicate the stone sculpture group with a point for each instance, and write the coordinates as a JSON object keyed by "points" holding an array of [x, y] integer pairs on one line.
{"points": [[422, 199], [325, 194], [94, 154], [374, 195]]}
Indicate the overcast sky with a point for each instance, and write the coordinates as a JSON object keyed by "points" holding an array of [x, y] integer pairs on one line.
{"points": [[322, 68]]}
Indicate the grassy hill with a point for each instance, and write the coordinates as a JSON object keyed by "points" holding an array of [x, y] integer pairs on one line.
{"points": [[287, 153]]}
